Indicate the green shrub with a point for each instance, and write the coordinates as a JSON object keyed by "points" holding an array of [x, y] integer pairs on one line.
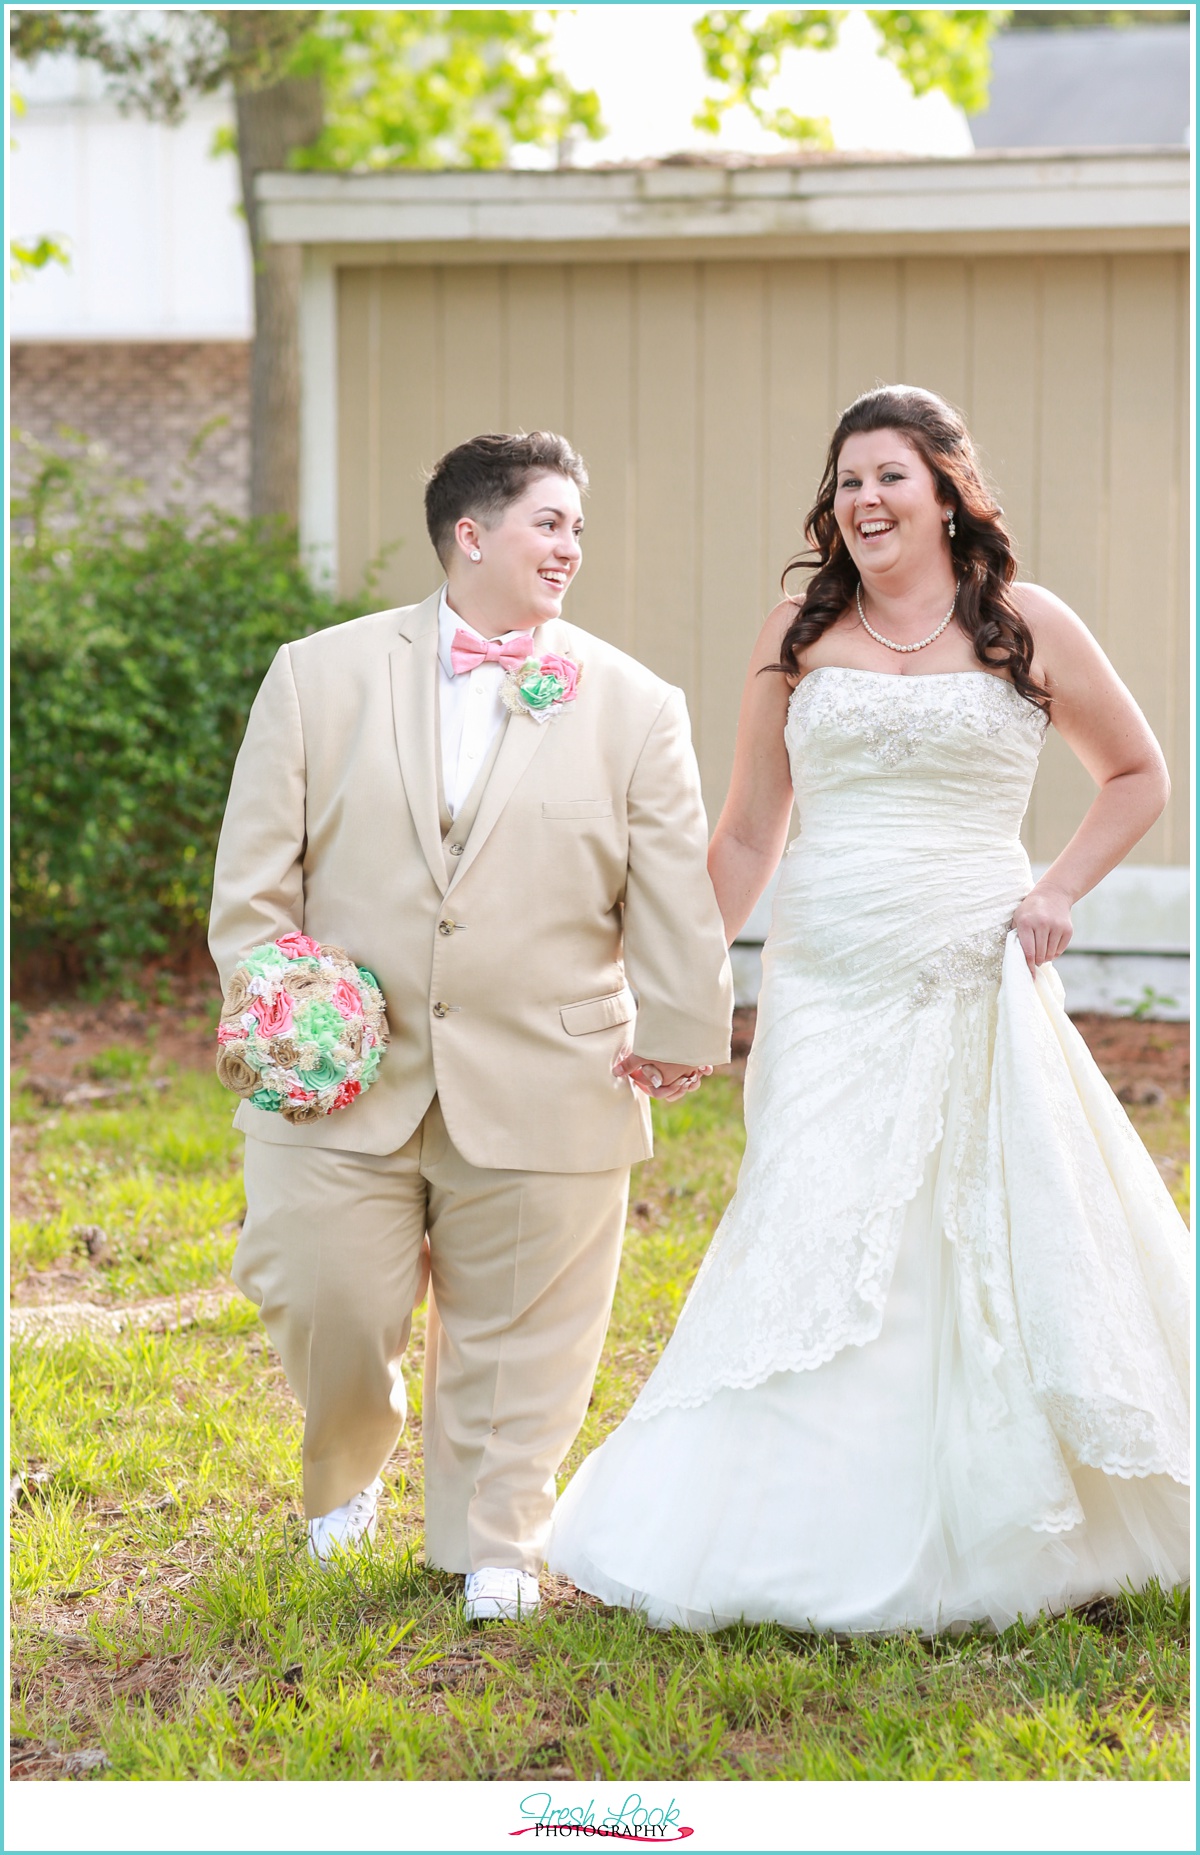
{"points": [[138, 641]]}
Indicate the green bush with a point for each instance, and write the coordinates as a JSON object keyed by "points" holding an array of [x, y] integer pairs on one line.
{"points": [[138, 641]]}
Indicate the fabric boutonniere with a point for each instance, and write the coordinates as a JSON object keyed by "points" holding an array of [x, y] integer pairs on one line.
{"points": [[542, 687]]}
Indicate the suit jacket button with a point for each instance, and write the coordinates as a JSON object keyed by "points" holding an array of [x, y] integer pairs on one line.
{"points": [[439, 1010], [455, 850], [447, 927]]}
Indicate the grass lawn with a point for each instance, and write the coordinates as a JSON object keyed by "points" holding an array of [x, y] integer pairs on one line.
{"points": [[167, 1625]]}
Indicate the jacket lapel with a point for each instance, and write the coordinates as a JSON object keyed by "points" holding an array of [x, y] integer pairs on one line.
{"points": [[413, 666], [522, 738]]}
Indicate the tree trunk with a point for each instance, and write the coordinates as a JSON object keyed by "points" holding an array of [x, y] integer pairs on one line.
{"points": [[271, 122]]}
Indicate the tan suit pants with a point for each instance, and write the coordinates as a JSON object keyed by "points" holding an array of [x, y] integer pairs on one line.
{"points": [[523, 1268]]}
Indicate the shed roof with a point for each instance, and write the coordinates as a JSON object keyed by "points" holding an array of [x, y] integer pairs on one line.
{"points": [[1075, 200], [1090, 89]]}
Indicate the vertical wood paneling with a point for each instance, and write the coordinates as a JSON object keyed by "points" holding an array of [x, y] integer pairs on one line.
{"points": [[356, 466], [1138, 544], [537, 332], [702, 397], [1073, 476], [1004, 413], [936, 330], [866, 330], [732, 506], [603, 394], [474, 352], [1003, 395], [799, 411], [409, 426], [1073, 464], [668, 435]]}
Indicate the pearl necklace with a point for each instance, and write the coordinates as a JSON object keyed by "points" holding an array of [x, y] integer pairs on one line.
{"points": [[904, 647]]}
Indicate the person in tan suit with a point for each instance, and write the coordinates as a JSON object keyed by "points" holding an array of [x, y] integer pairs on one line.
{"points": [[529, 886]]}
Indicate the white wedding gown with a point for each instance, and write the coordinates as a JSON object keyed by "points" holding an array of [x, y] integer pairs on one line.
{"points": [[934, 1367]]}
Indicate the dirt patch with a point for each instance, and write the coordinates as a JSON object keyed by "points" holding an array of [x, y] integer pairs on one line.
{"points": [[65, 1042], [1133, 1053]]}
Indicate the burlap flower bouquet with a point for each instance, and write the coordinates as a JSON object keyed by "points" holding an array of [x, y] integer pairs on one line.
{"points": [[302, 1029]]}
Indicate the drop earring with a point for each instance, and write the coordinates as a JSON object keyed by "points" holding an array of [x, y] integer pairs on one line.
{"points": [[475, 554], [951, 530]]}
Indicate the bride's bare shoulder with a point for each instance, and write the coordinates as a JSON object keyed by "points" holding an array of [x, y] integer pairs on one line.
{"points": [[1061, 639], [768, 648]]}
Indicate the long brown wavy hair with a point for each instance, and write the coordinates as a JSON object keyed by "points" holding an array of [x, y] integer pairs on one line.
{"points": [[981, 550]]}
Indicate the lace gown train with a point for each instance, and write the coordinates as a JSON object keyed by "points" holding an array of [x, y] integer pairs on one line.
{"points": [[934, 1366]]}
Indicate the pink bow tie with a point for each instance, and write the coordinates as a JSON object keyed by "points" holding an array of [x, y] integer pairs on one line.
{"points": [[467, 651]]}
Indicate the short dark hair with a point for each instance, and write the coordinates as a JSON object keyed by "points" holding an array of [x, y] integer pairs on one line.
{"points": [[486, 474]]}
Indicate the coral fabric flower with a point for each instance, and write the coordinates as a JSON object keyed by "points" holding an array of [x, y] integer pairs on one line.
{"points": [[346, 1094], [293, 945], [274, 1015], [346, 1000], [565, 670]]}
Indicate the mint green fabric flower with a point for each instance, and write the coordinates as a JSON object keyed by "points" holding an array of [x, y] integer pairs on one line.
{"points": [[262, 961], [269, 1100], [370, 1064], [257, 1055], [539, 692], [319, 1023], [322, 1075], [368, 978]]}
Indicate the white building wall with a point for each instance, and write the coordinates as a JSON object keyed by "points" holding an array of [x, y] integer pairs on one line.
{"points": [[151, 218]]}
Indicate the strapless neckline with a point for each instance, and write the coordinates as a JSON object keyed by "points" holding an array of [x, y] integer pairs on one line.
{"points": [[893, 676]]}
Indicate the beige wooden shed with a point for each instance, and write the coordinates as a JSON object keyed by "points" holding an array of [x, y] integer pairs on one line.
{"points": [[695, 329]]}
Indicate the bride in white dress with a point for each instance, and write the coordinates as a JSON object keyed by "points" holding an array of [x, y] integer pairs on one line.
{"points": [[934, 1367]]}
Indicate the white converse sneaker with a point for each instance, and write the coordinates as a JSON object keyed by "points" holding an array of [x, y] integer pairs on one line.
{"points": [[345, 1529], [497, 1591]]}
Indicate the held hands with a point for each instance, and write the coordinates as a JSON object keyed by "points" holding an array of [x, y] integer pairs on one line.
{"points": [[1042, 924], [664, 1081]]}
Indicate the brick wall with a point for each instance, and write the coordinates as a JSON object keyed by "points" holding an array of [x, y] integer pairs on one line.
{"points": [[146, 402]]}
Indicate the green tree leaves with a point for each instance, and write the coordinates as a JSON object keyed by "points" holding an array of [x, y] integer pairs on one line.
{"points": [[744, 60], [932, 49], [402, 87], [34, 254], [946, 51], [438, 87]]}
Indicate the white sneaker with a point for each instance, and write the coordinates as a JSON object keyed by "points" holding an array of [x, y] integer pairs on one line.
{"points": [[497, 1591], [345, 1529]]}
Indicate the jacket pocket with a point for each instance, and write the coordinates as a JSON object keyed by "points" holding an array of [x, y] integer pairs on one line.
{"points": [[599, 1014], [577, 808]]}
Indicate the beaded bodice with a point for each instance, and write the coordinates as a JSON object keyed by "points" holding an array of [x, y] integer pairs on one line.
{"points": [[914, 759]]}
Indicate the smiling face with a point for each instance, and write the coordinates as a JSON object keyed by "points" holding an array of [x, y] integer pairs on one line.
{"points": [[886, 503], [528, 558]]}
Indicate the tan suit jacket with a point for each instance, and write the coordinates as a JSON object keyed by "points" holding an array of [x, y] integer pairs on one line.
{"points": [[507, 968]]}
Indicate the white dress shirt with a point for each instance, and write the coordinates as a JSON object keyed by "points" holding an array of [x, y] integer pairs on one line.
{"points": [[469, 707]]}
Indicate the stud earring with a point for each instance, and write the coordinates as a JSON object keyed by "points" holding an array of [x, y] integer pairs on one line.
{"points": [[951, 530], [475, 554]]}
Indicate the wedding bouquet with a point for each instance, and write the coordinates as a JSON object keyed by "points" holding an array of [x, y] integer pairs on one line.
{"points": [[302, 1029]]}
